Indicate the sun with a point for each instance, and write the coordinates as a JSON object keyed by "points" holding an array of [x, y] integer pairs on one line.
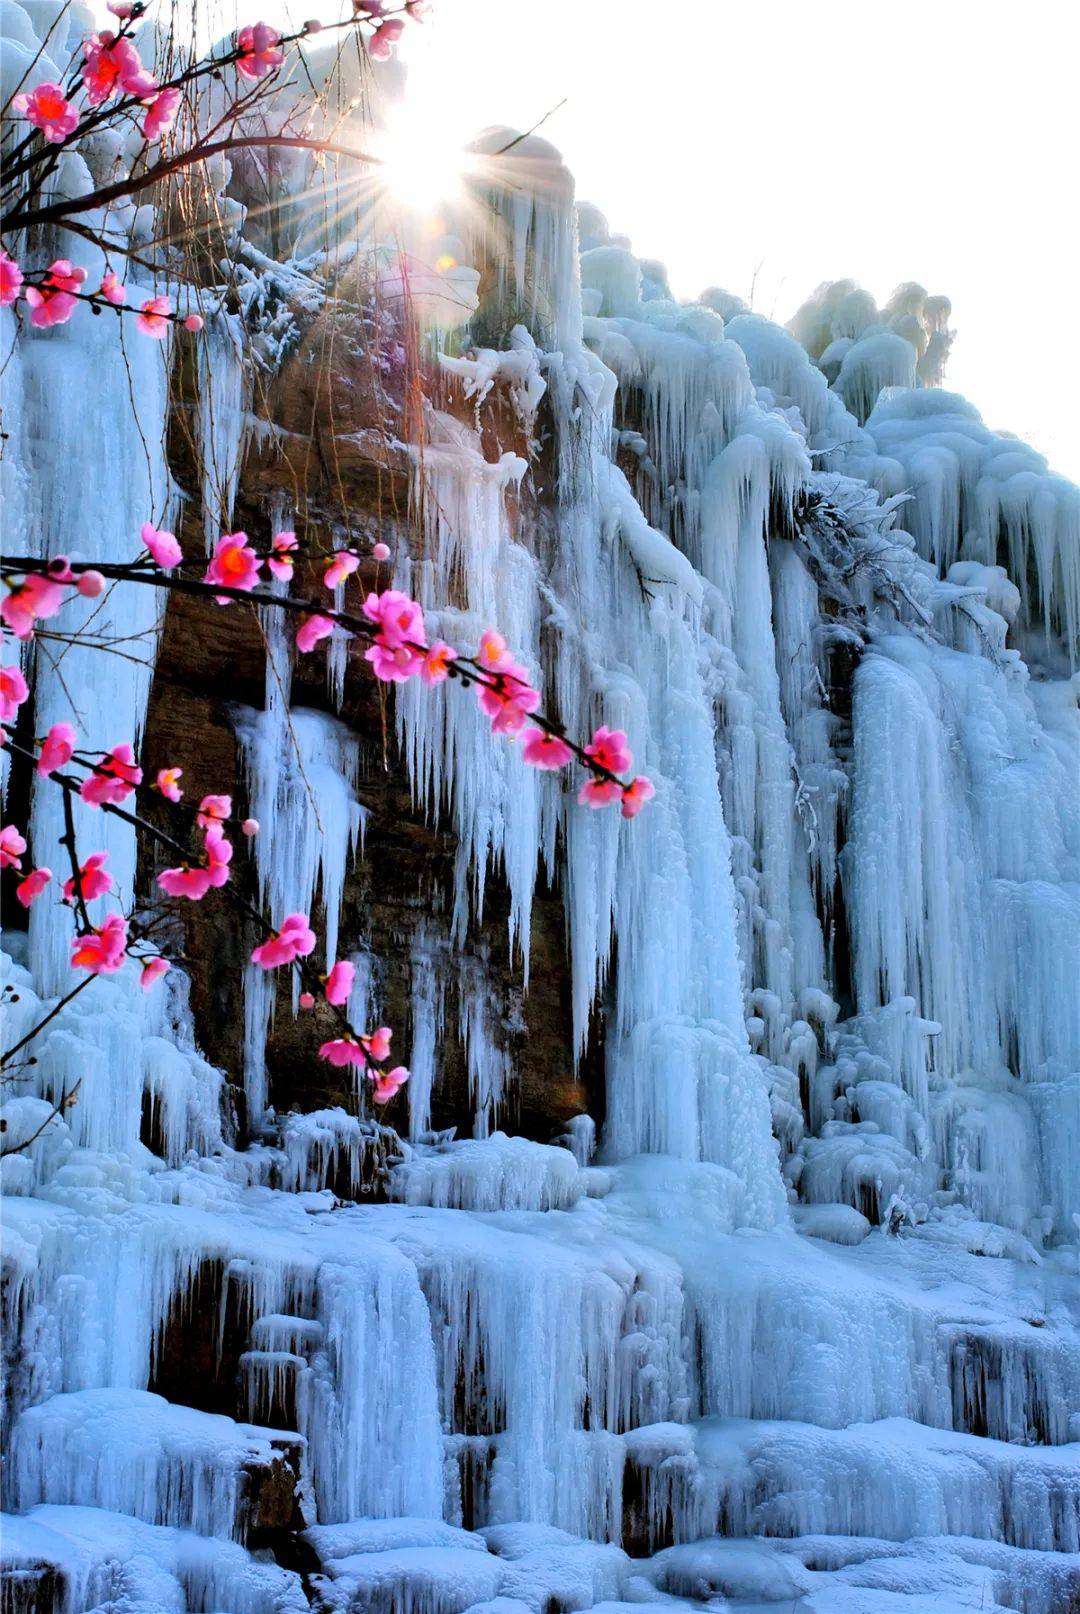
{"points": [[420, 167]]}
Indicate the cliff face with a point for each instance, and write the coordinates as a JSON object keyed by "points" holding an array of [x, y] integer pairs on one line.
{"points": [[339, 463], [750, 1268]]}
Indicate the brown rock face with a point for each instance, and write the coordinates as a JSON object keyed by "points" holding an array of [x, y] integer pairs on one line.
{"points": [[342, 414], [198, 1349], [32, 1589], [270, 1503]]}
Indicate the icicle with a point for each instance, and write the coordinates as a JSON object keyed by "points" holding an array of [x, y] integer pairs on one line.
{"points": [[121, 481], [225, 380], [302, 770]]}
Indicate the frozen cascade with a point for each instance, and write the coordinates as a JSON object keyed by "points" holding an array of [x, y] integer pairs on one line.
{"points": [[453, 758], [301, 769], [427, 1009], [221, 419], [981, 496], [145, 1568], [529, 231], [98, 513], [953, 882], [131, 1060], [804, 1329], [177, 1465]]}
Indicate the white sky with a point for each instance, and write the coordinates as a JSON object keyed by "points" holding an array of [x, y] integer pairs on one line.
{"points": [[934, 140]]}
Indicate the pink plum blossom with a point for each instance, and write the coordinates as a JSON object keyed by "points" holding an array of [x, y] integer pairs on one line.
{"points": [[340, 566], [259, 50], [234, 564], [193, 323], [342, 1051], [378, 1043], [636, 794], [609, 750], [381, 551], [353, 1051], [13, 691], [160, 113], [545, 750], [56, 748], [388, 1082], [436, 664], [49, 307], [312, 631], [91, 585], [599, 792], [114, 779], [339, 982], [113, 64], [382, 42], [11, 278], [100, 950], [36, 596], [111, 289], [493, 654], [167, 781], [92, 881], [249, 827], [400, 619], [213, 810], [508, 698], [49, 110], [218, 857], [280, 560], [394, 664], [294, 940], [184, 881], [12, 847], [63, 275], [55, 300], [307, 1000], [152, 971], [162, 545], [28, 890], [153, 317]]}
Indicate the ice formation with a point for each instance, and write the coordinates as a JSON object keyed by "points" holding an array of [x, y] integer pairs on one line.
{"points": [[797, 1325]]}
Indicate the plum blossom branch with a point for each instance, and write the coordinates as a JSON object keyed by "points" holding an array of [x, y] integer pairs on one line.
{"points": [[398, 650], [111, 66], [392, 624], [9, 1053], [68, 1097], [100, 949]]}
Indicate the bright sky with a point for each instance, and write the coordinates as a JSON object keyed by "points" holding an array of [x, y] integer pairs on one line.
{"points": [[768, 145]]}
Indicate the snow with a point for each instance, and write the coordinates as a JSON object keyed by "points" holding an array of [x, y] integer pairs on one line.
{"points": [[134, 1453], [109, 1559], [493, 1174], [519, 368], [839, 1224]]}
